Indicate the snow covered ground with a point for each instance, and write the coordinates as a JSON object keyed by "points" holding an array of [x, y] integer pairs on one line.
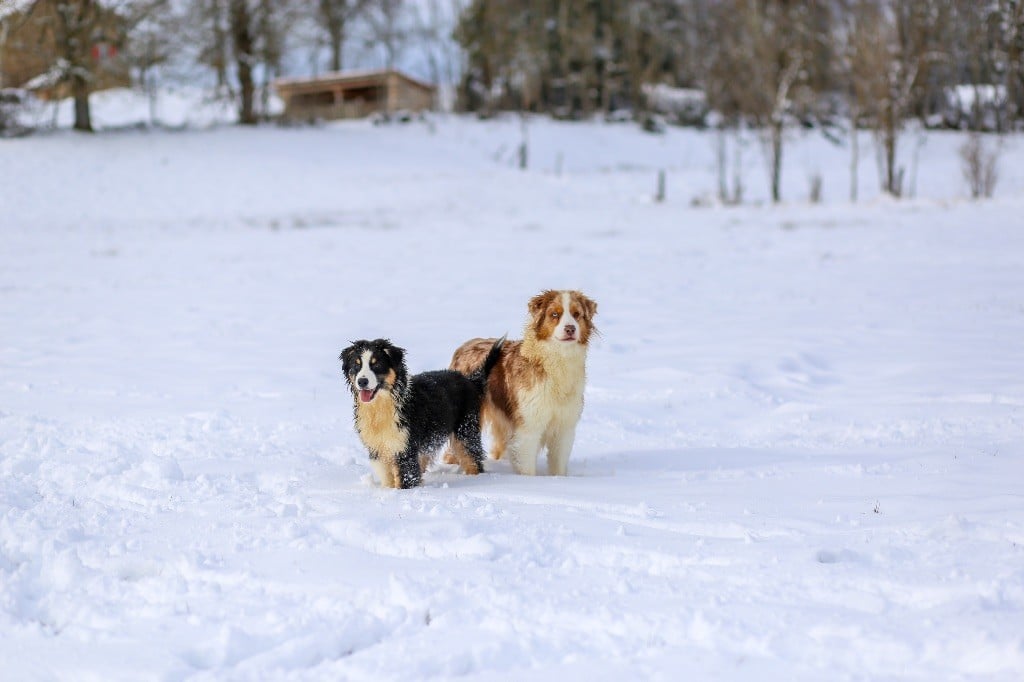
{"points": [[802, 454]]}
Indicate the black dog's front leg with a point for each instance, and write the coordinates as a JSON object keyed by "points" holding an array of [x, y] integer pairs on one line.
{"points": [[409, 474]]}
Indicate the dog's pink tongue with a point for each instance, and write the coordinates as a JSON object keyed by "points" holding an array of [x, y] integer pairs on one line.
{"points": [[365, 395]]}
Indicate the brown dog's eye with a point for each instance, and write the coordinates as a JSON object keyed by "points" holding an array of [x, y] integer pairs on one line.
{"points": [[555, 316]]}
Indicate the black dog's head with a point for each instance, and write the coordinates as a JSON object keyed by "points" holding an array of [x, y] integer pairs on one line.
{"points": [[373, 366]]}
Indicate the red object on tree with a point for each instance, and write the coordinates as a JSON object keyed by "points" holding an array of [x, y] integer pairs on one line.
{"points": [[103, 51]]}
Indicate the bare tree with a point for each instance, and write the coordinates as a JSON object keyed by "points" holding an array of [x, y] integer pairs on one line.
{"points": [[153, 42], [779, 60], [72, 26], [862, 63], [78, 29], [334, 17], [769, 42], [1010, 51], [243, 42], [970, 65], [902, 41], [988, 47], [489, 52], [275, 20], [210, 24], [387, 27], [432, 29], [719, 64], [257, 29]]}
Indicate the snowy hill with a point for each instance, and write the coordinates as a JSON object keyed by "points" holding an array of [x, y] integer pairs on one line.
{"points": [[801, 455]]}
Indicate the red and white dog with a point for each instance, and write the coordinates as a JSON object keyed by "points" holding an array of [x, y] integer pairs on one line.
{"points": [[534, 394]]}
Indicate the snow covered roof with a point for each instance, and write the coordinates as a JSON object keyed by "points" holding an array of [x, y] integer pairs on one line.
{"points": [[350, 78]]}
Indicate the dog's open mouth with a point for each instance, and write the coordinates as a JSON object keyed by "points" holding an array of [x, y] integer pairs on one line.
{"points": [[366, 394]]}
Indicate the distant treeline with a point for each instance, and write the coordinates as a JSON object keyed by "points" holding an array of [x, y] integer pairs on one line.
{"points": [[763, 64], [766, 65], [755, 59], [750, 60]]}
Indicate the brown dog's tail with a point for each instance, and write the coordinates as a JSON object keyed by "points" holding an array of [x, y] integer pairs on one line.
{"points": [[480, 374]]}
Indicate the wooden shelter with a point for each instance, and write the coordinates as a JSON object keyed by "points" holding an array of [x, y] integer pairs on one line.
{"points": [[352, 94]]}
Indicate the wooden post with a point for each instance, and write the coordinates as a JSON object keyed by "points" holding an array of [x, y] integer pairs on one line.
{"points": [[660, 196], [523, 152]]}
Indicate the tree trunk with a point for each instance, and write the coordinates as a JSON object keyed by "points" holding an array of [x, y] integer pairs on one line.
{"points": [[337, 37], [737, 166], [777, 131], [889, 142], [1015, 74], [332, 19], [722, 165], [241, 30], [4, 29], [854, 155], [220, 48], [80, 91]]}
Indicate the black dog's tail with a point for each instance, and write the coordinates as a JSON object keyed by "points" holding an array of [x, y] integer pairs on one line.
{"points": [[479, 376]]}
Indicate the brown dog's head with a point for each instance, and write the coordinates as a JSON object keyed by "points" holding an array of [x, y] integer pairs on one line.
{"points": [[562, 316]]}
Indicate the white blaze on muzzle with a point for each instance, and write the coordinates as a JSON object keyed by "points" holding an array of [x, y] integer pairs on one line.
{"points": [[366, 381], [561, 333]]}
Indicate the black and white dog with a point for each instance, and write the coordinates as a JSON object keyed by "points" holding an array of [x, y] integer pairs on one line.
{"points": [[403, 420]]}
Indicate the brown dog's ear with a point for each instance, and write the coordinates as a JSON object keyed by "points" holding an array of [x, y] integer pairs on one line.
{"points": [[540, 301], [590, 305]]}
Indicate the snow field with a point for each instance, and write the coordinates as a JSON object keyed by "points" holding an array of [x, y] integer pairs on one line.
{"points": [[800, 455]]}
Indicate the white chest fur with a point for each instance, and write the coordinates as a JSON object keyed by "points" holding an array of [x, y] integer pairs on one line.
{"points": [[557, 399]]}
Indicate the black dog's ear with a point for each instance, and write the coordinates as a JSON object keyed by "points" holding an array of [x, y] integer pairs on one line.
{"points": [[396, 354], [348, 356]]}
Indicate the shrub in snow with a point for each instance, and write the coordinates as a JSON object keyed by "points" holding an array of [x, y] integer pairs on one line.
{"points": [[398, 116], [652, 123], [980, 165], [681, 106], [566, 113], [815, 183], [619, 116], [18, 109]]}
